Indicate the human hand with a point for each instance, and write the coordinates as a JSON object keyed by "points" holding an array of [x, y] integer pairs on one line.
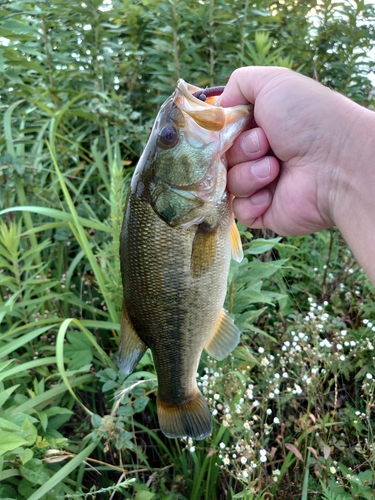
{"points": [[307, 127]]}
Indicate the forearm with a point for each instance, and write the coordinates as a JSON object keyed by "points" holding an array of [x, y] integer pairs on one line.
{"points": [[353, 200]]}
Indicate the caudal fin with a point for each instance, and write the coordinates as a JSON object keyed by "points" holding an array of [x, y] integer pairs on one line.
{"points": [[191, 419]]}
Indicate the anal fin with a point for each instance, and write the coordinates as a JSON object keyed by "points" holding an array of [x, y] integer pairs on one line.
{"points": [[132, 348], [235, 243], [225, 338]]}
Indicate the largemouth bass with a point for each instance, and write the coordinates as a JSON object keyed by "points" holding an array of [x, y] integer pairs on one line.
{"points": [[177, 240]]}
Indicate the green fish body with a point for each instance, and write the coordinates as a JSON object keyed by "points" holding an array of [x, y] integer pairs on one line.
{"points": [[177, 240]]}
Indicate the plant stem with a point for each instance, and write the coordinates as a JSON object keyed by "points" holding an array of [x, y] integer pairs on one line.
{"points": [[324, 284], [176, 23]]}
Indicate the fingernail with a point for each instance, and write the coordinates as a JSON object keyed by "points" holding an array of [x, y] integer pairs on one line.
{"points": [[261, 168], [250, 142], [260, 198]]}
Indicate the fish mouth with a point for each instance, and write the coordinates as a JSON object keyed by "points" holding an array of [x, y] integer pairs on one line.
{"points": [[194, 94], [208, 113]]}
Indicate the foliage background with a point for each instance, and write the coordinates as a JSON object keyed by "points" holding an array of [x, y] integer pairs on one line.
{"points": [[81, 84]]}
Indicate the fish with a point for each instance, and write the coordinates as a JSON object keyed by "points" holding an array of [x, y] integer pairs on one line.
{"points": [[177, 240]]}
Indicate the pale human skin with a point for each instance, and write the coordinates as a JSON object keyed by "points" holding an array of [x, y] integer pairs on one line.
{"points": [[323, 171]]}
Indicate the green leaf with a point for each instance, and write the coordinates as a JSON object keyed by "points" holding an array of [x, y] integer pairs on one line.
{"points": [[35, 471], [261, 245], [7, 492], [29, 432], [25, 455], [43, 419], [144, 495], [5, 364], [51, 394], [79, 350], [59, 215], [62, 473], [141, 403], [17, 27], [5, 394], [126, 410], [7, 425], [9, 441], [96, 420], [258, 270]]}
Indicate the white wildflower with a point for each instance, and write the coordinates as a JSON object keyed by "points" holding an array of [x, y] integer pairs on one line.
{"points": [[297, 389], [325, 343]]}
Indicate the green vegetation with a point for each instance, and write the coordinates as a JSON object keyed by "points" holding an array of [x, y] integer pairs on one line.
{"points": [[294, 403]]}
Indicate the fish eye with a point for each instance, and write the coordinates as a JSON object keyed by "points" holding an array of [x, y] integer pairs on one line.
{"points": [[168, 136]]}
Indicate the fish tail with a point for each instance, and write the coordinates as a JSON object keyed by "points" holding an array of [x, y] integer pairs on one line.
{"points": [[190, 419]]}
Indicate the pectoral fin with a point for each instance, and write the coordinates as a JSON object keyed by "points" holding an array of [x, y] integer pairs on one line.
{"points": [[132, 348], [235, 243], [225, 338], [204, 249]]}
